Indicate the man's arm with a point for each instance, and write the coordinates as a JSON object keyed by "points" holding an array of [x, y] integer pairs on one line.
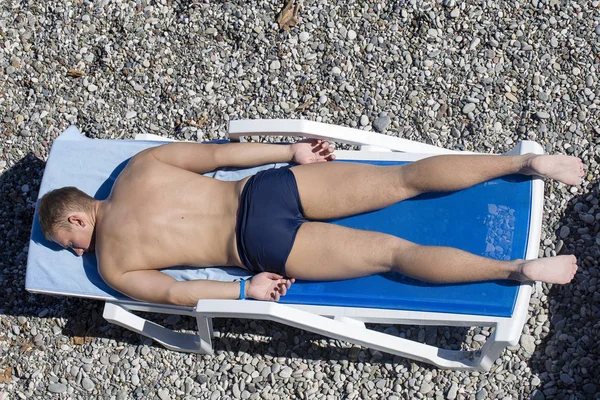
{"points": [[198, 157], [156, 287]]}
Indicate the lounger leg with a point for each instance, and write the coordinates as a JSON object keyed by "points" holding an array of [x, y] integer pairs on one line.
{"points": [[205, 329], [185, 342]]}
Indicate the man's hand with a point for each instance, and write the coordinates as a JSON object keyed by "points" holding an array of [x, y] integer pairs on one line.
{"points": [[311, 151], [267, 286]]}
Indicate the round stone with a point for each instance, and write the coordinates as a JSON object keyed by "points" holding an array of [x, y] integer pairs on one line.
{"points": [[285, 372], [87, 384], [364, 120], [351, 35], [336, 71], [92, 88], [304, 36], [275, 65]]}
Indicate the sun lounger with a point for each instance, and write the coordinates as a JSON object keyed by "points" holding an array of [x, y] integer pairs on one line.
{"points": [[499, 219]]}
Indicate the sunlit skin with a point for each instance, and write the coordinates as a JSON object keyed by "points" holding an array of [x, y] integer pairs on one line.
{"points": [[162, 212]]}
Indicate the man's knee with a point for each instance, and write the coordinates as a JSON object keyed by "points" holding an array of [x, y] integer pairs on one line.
{"points": [[403, 252], [408, 182]]}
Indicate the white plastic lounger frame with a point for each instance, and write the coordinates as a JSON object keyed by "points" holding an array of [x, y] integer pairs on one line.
{"points": [[345, 323]]}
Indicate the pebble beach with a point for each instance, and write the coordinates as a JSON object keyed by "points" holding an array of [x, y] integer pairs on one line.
{"points": [[465, 75]]}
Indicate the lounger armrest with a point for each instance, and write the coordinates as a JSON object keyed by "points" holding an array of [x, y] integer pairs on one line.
{"points": [[334, 133]]}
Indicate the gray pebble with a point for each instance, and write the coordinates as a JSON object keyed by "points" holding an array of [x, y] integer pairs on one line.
{"points": [[589, 81], [351, 35], [481, 394], [364, 120], [164, 394], [452, 392], [565, 231], [528, 343], [542, 115], [285, 372], [468, 108], [381, 123], [425, 388], [57, 388], [304, 36], [275, 65], [87, 384]]}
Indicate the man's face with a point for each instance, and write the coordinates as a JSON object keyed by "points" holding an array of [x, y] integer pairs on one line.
{"points": [[78, 239]]}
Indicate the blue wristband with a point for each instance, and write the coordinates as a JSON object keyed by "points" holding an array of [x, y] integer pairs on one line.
{"points": [[242, 289]]}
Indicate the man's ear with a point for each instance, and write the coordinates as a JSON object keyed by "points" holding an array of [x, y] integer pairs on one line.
{"points": [[76, 219]]}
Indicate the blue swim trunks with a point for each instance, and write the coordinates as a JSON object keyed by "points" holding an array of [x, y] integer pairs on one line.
{"points": [[269, 216]]}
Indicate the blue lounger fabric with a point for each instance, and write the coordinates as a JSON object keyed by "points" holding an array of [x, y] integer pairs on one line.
{"points": [[491, 219]]}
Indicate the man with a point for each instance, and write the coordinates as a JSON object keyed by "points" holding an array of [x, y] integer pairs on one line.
{"points": [[162, 212]]}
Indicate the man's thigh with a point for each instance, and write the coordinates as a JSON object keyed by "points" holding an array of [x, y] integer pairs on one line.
{"points": [[324, 251], [339, 189]]}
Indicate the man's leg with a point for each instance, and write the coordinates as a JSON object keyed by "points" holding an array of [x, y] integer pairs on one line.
{"points": [[333, 190], [325, 251]]}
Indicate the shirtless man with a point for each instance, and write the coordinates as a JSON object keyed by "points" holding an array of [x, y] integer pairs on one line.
{"points": [[162, 212]]}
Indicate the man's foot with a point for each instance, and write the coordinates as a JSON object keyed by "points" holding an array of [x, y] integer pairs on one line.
{"points": [[565, 169], [560, 269]]}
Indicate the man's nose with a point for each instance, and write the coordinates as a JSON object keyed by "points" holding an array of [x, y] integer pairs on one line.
{"points": [[79, 252]]}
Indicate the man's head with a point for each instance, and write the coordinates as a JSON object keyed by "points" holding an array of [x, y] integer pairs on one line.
{"points": [[67, 217]]}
